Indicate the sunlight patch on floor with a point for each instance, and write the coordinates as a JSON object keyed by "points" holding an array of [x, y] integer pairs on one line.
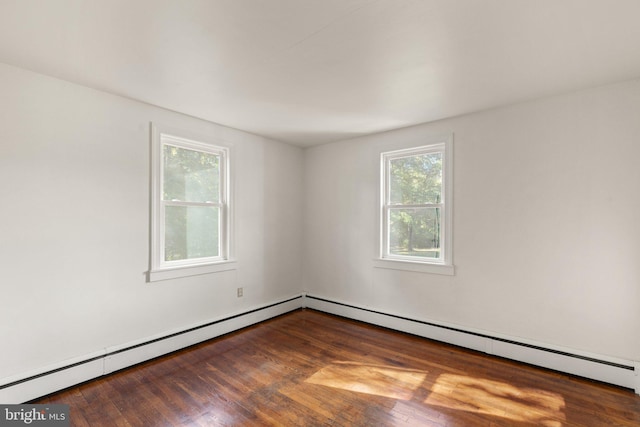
{"points": [[379, 380], [499, 399]]}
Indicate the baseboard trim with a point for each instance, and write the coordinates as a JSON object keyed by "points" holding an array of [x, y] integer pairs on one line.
{"points": [[615, 371], [26, 387]]}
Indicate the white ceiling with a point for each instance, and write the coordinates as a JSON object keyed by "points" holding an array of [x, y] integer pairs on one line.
{"points": [[314, 71]]}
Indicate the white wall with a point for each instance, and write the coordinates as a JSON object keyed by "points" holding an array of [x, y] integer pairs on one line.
{"points": [[74, 224], [546, 232]]}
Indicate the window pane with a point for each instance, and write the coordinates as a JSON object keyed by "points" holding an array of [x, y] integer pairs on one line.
{"points": [[416, 179], [191, 232], [190, 175], [414, 232]]}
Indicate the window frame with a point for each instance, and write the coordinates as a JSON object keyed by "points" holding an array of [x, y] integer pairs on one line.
{"points": [[161, 269], [385, 259]]}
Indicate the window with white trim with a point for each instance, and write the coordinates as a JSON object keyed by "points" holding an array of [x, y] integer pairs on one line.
{"points": [[190, 219], [415, 205]]}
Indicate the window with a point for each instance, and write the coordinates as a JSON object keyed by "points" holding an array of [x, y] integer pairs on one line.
{"points": [[190, 207], [416, 208]]}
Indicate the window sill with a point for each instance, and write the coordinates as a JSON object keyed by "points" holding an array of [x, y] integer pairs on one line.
{"points": [[420, 267], [191, 270]]}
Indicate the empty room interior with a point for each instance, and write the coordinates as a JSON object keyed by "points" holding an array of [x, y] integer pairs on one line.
{"points": [[321, 212]]}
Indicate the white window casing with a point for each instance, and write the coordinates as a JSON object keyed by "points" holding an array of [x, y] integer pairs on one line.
{"points": [[220, 258], [440, 260]]}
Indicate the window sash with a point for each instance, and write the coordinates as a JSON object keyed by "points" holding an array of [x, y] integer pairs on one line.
{"points": [[387, 206], [219, 176], [416, 258], [193, 260], [159, 261]]}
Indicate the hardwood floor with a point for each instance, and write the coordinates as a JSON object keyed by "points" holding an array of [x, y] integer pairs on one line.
{"points": [[308, 368]]}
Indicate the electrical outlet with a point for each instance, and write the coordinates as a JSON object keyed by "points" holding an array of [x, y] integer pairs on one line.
{"points": [[240, 292]]}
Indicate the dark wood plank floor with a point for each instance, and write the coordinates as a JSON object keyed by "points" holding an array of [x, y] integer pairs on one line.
{"points": [[311, 369]]}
